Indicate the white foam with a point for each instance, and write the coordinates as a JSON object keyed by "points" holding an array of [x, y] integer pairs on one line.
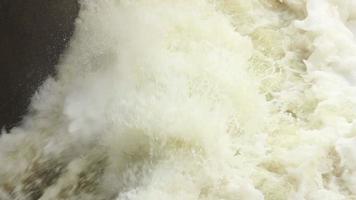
{"points": [[193, 100]]}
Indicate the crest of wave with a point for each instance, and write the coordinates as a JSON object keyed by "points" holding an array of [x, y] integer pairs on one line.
{"points": [[148, 104]]}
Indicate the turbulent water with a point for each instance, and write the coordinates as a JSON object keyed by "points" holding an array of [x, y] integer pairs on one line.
{"points": [[194, 100]]}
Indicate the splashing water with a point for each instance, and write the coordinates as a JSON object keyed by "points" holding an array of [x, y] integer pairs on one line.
{"points": [[199, 99]]}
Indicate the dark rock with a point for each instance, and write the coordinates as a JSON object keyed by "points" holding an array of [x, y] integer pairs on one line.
{"points": [[33, 33]]}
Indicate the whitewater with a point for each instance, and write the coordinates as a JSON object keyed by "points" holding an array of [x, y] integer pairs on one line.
{"points": [[194, 100]]}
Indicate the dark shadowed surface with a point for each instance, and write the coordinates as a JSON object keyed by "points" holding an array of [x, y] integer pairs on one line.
{"points": [[33, 33]]}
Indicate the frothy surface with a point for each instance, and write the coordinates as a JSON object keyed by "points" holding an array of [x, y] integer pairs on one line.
{"points": [[200, 99]]}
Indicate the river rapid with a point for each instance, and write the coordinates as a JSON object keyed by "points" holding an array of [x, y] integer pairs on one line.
{"points": [[194, 100]]}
